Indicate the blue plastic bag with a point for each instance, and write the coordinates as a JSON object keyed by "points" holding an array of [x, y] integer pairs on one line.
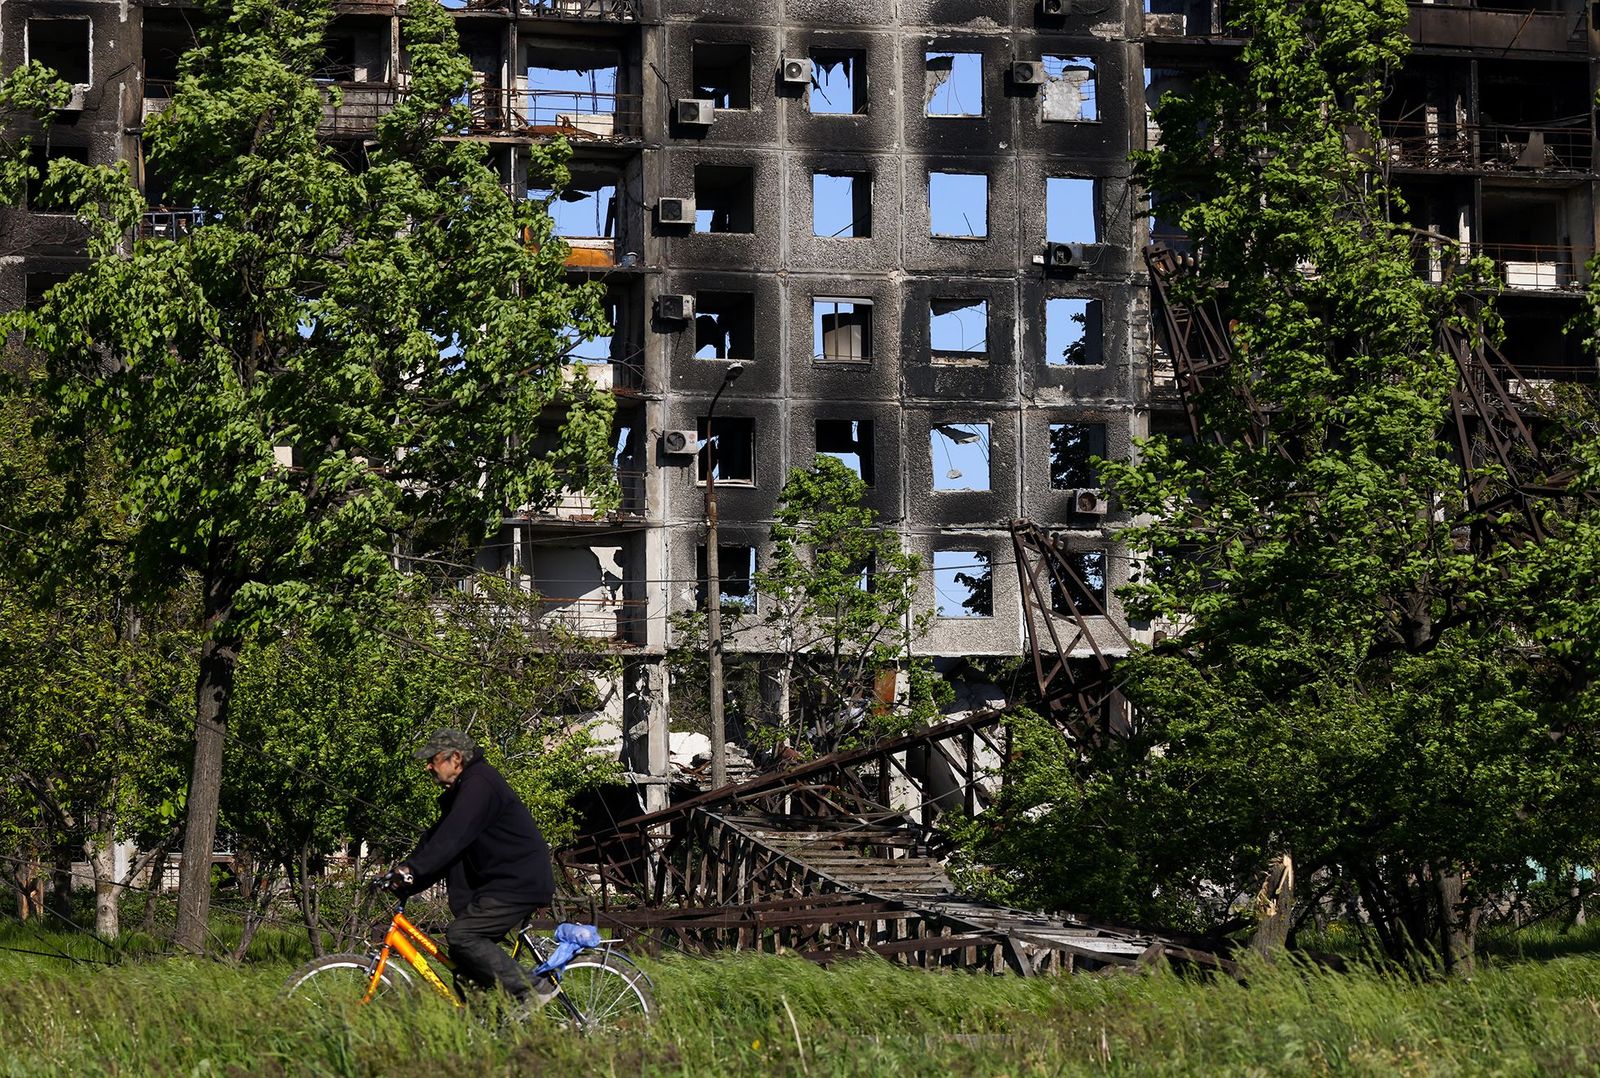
{"points": [[570, 940]]}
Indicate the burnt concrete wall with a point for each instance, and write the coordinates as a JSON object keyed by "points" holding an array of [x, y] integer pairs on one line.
{"points": [[901, 268]]}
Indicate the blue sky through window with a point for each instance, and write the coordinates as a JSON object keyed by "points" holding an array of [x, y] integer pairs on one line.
{"points": [[959, 326], [1067, 327], [960, 453], [954, 83], [1069, 215], [958, 204]]}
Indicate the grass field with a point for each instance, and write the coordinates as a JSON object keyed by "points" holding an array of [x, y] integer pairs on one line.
{"points": [[1519, 1015]]}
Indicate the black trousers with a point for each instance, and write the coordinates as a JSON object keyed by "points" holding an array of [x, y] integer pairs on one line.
{"points": [[474, 939]]}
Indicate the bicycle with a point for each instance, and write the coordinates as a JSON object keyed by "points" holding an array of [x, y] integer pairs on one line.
{"points": [[598, 988]]}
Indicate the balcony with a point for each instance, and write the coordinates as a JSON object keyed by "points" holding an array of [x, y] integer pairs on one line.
{"points": [[1423, 144], [596, 10], [1461, 26], [170, 223], [360, 107], [577, 507], [1521, 267], [580, 116]]}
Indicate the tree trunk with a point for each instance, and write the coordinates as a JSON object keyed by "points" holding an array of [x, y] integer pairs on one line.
{"points": [[60, 901], [1458, 921], [214, 687], [100, 849], [1274, 907]]}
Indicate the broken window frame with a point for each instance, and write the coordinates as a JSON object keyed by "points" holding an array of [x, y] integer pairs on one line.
{"points": [[823, 307], [731, 96], [852, 90], [945, 446], [710, 181], [859, 434], [961, 76], [942, 186], [1087, 348], [741, 597], [1056, 68], [1073, 445], [859, 198], [734, 315], [969, 569], [740, 432], [939, 322], [64, 72], [584, 186]]}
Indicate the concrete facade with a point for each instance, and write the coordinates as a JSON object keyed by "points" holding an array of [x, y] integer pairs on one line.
{"points": [[1492, 140]]}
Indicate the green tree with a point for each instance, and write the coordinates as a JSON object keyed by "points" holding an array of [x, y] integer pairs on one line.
{"points": [[320, 762], [836, 613], [1349, 681], [335, 357]]}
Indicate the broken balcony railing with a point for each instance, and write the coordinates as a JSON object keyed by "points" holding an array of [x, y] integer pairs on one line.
{"points": [[577, 114], [579, 506], [1429, 144], [170, 222], [1520, 266]]}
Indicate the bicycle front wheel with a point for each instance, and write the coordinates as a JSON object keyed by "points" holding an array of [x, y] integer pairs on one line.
{"points": [[598, 995], [340, 980]]}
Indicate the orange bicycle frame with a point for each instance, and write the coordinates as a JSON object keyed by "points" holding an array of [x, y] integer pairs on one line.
{"points": [[411, 943]]}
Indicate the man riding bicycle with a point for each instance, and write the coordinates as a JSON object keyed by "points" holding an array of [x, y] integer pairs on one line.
{"points": [[495, 862]]}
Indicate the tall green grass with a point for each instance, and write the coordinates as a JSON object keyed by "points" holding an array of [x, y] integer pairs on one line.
{"points": [[764, 1015]]}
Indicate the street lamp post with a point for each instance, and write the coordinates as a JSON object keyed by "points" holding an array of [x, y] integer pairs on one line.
{"points": [[719, 741]]}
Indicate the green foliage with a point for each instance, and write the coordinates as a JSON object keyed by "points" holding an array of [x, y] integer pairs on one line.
{"points": [[733, 1016], [387, 323], [835, 618], [1348, 680]]}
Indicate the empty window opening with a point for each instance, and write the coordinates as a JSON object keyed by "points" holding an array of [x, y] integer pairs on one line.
{"points": [[849, 441], [1069, 210], [1069, 89], [595, 349], [838, 82], [1073, 449], [1074, 333], [958, 330], [724, 325], [963, 583], [736, 571], [39, 158], [571, 88], [733, 448], [958, 204], [960, 454], [841, 205], [722, 73], [35, 286], [63, 46], [725, 199], [953, 85], [1090, 596], [164, 46], [355, 50], [585, 209], [841, 330]]}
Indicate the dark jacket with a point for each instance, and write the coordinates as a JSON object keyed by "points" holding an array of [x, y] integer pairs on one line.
{"points": [[485, 844]]}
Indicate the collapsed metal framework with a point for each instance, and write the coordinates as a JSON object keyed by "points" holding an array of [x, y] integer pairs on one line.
{"points": [[838, 857], [1504, 467]]}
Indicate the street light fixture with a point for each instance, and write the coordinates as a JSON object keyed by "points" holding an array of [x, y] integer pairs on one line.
{"points": [[719, 742]]}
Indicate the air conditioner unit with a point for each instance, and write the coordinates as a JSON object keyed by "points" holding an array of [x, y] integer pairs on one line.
{"points": [[675, 211], [697, 110], [1027, 73], [1089, 500], [680, 443], [796, 72], [675, 308], [1056, 7], [1063, 256]]}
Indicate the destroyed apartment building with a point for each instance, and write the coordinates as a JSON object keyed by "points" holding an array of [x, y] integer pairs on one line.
{"points": [[912, 225]]}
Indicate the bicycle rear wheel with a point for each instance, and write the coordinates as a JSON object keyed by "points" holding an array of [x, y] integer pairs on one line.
{"points": [[340, 980], [599, 994]]}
